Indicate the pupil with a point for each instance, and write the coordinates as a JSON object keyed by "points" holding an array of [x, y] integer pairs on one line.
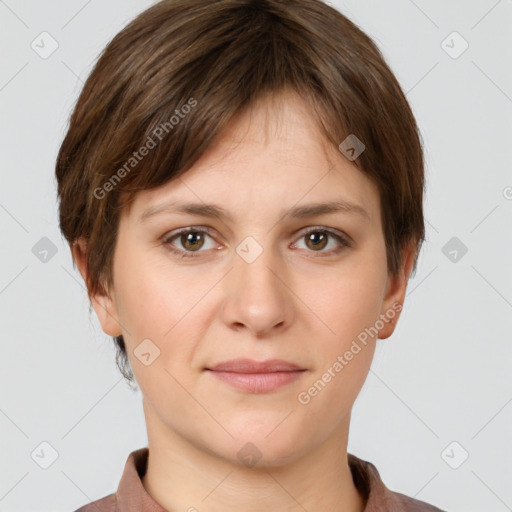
{"points": [[320, 242], [192, 239]]}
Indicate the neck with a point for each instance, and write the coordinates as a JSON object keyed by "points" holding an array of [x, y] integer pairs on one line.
{"points": [[180, 476]]}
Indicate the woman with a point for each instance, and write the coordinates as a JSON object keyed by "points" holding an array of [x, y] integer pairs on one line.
{"points": [[241, 185]]}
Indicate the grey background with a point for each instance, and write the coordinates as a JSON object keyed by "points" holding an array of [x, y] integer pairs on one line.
{"points": [[444, 375]]}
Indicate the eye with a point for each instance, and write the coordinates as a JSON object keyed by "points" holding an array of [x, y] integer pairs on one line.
{"points": [[316, 239], [191, 239]]}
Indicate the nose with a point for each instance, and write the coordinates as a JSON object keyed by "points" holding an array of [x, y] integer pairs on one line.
{"points": [[256, 295]]}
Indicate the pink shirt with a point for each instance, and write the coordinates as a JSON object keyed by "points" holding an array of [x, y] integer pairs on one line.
{"points": [[132, 497]]}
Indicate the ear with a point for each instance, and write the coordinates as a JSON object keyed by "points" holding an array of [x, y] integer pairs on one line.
{"points": [[395, 293], [104, 304]]}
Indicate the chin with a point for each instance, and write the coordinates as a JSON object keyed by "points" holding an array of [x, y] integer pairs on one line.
{"points": [[256, 448]]}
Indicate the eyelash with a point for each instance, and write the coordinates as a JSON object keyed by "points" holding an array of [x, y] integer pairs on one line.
{"points": [[194, 254]]}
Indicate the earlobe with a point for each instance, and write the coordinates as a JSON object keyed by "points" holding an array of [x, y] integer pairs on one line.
{"points": [[104, 305], [395, 294], [107, 314]]}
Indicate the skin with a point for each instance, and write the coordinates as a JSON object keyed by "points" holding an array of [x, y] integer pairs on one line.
{"points": [[295, 302]]}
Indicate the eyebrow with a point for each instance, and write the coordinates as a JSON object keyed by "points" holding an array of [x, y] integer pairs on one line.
{"points": [[214, 211]]}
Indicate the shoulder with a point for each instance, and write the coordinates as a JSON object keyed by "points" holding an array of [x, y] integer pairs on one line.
{"points": [[378, 496], [411, 504], [106, 504]]}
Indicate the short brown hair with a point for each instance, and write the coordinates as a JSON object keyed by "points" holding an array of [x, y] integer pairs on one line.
{"points": [[224, 55]]}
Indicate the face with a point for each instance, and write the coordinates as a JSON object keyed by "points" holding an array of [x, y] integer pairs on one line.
{"points": [[258, 282]]}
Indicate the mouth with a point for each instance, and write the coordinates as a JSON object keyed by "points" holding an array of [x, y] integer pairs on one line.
{"points": [[256, 377]]}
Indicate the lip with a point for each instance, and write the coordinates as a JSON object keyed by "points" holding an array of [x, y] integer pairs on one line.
{"points": [[252, 366], [256, 376]]}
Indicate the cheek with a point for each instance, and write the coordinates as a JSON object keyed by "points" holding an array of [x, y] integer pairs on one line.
{"points": [[344, 346], [166, 306], [347, 300], [351, 312], [154, 297], [156, 308]]}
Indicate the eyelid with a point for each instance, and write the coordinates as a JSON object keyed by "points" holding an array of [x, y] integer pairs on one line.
{"points": [[174, 233], [331, 231]]}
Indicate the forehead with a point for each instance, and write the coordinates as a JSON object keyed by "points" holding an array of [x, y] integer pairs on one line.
{"points": [[270, 156]]}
